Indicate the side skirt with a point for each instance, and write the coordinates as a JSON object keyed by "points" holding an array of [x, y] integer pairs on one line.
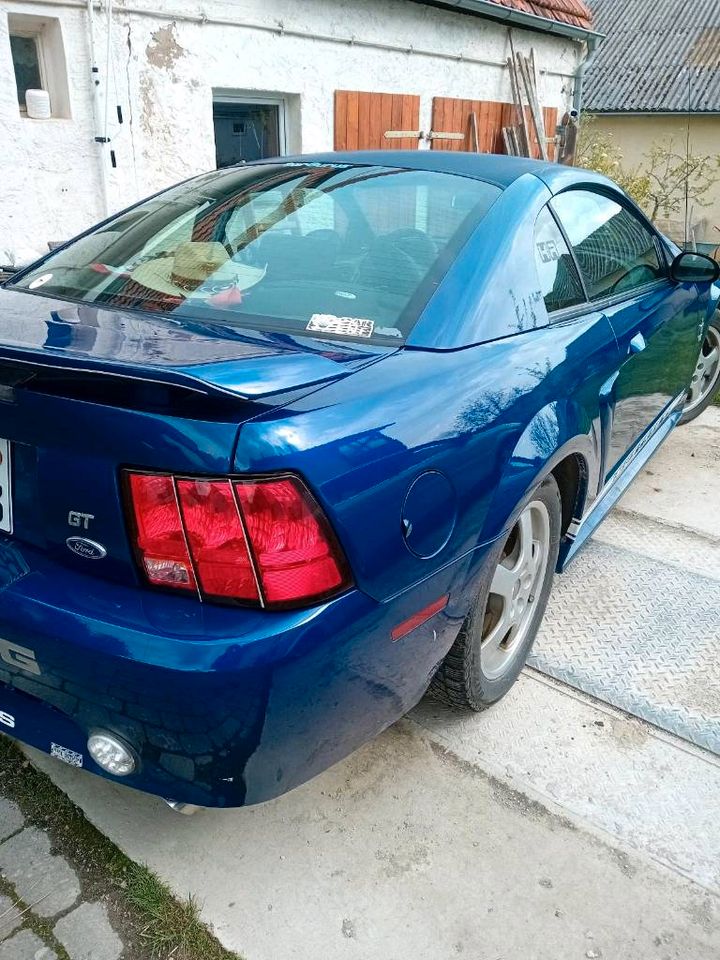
{"points": [[580, 532]]}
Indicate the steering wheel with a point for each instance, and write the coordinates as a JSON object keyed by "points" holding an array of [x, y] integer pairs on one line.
{"points": [[642, 271]]}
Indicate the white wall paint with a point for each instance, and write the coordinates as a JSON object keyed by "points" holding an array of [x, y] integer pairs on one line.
{"points": [[165, 72]]}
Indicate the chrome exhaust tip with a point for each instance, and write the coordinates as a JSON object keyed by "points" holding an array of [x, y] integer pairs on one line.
{"points": [[187, 809]]}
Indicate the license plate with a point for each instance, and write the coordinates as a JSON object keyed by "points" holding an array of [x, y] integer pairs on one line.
{"points": [[5, 492]]}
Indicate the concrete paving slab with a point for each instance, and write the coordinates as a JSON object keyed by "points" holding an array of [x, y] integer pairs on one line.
{"points": [[44, 882], [86, 934], [11, 819], [681, 484], [620, 776], [25, 946], [10, 917]]}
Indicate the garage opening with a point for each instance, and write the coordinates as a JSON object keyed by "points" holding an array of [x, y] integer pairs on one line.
{"points": [[247, 130]]}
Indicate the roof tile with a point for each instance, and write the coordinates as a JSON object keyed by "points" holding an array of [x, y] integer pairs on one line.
{"points": [[658, 56], [574, 12]]}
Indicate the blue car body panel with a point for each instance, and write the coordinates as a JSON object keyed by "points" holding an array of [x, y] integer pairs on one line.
{"points": [[420, 456], [207, 358]]}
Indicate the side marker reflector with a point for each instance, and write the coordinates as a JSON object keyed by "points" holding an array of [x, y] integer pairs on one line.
{"points": [[419, 618]]}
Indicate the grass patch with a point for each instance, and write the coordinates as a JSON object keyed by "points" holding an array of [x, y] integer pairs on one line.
{"points": [[151, 921], [173, 927]]}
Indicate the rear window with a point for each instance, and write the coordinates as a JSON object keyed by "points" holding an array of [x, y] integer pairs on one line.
{"points": [[331, 250]]}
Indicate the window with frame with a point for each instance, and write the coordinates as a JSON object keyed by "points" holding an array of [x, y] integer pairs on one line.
{"points": [[614, 249], [38, 58], [559, 281], [25, 51]]}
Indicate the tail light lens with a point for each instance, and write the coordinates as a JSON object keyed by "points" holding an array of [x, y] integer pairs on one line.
{"points": [[159, 535], [260, 541], [294, 549]]}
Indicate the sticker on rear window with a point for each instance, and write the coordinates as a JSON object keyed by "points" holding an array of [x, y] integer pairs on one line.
{"points": [[345, 326], [39, 281], [548, 251]]}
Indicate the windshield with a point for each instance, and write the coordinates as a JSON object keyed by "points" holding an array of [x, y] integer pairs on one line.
{"points": [[334, 250]]}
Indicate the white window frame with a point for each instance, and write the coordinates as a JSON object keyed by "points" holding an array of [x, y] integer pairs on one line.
{"points": [[37, 36], [269, 101]]}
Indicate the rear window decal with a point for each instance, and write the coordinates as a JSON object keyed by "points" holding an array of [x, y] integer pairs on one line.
{"points": [[345, 326], [548, 251], [39, 281]]}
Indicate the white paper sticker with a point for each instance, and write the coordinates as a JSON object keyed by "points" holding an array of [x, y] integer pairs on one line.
{"points": [[66, 755], [39, 281], [345, 326]]}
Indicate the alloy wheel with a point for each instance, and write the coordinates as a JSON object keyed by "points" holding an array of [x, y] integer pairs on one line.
{"points": [[707, 369], [515, 586]]}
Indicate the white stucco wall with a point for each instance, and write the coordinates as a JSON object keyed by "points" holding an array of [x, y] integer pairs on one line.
{"points": [[164, 71]]}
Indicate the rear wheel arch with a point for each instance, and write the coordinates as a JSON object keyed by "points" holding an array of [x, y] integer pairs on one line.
{"points": [[571, 475], [560, 440]]}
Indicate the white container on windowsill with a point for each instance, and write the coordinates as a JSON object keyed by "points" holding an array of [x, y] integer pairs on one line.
{"points": [[37, 103]]}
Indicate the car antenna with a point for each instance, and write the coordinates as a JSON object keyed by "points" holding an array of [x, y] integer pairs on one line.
{"points": [[687, 160]]}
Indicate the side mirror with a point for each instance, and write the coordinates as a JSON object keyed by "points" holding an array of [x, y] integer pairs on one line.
{"points": [[694, 268]]}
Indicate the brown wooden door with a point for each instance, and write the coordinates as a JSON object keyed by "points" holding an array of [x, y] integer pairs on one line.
{"points": [[362, 119], [452, 115]]}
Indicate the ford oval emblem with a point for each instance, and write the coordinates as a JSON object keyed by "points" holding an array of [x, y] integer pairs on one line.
{"points": [[88, 549]]}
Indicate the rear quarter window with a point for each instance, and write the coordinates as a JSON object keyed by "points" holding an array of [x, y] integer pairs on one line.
{"points": [[559, 281]]}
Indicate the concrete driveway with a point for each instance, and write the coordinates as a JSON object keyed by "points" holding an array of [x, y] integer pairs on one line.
{"points": [[554, 826]]}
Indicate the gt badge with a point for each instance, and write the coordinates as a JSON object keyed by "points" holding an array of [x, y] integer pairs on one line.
{"points": [[77, 519]]}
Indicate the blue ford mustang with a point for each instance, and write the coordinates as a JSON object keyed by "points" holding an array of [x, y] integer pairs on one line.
{"points": [[289, 443]]}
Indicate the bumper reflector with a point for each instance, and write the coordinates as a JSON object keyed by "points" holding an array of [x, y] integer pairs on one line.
{"points": [[419, 618]]}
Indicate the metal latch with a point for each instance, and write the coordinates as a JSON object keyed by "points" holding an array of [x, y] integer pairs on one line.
{"points": [[403, 134], [445, 136]]}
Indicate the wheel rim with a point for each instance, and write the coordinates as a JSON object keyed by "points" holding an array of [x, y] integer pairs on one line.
{"points": [[514, 590], [707, 371]]}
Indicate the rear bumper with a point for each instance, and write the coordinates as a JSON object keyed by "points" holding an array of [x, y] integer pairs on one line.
{"points": [[224, 706]]}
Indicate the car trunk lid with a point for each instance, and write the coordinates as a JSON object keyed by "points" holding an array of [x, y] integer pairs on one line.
{"points": [[87, 392]]}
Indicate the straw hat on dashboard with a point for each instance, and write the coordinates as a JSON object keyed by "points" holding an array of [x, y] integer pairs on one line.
{"points": [[198, 268]]}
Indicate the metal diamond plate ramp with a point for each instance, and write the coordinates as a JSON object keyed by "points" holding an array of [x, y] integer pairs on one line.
{"points": [[638, 632]]}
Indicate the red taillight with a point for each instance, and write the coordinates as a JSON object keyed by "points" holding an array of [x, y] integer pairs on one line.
{"points": [[159, 534], [262, 541], [294, 549], [216, 539]]}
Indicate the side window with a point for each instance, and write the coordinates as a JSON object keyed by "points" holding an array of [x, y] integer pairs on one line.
{"points": [[616, 252], [559, 281]]}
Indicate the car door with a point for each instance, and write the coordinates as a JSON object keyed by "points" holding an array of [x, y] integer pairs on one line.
{"points": [[655, 321]]}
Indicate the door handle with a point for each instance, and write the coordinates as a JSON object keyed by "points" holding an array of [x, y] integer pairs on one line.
{"points": [[637, 344]]}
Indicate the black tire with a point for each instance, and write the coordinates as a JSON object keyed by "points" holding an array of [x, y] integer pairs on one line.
{"points": [[712, 339], [460, 680]]}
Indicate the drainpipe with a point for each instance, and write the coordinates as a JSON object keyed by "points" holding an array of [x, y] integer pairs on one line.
{"points": [[100, 133], [593, 42]]}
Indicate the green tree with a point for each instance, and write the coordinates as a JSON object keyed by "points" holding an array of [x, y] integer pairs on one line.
{"points": [[675, 178], [597, 150], [661, 185]]}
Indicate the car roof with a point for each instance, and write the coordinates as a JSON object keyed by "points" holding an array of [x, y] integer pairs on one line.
{"points": [[492, 168]]}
